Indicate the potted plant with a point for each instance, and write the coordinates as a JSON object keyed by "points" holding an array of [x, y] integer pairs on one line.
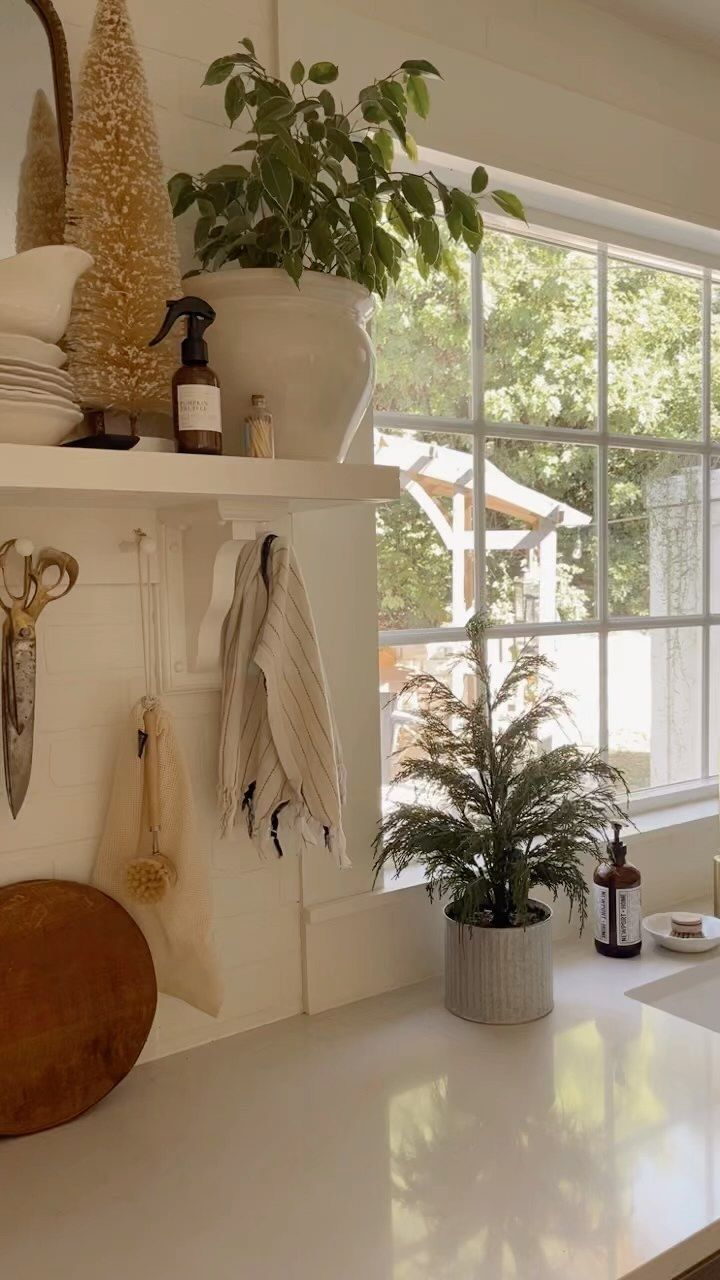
{"points": [[502, 817], [315, 211]]}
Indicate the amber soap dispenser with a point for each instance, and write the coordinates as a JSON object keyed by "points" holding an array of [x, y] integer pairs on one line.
{"points": [[617, 903], [195, 388]]}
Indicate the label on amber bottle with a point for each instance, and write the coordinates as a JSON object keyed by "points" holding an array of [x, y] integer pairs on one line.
{"points": [[602, 912], [199, 408], [628, 916]]}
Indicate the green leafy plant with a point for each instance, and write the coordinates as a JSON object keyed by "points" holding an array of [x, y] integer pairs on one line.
{"points": [[509, 817], [316, 188]]}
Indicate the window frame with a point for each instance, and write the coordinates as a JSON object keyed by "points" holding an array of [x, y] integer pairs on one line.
{"points": [[704, 447]]}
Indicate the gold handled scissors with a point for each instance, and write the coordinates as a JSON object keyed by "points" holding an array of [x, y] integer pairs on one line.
{"points": [[19, 653]]}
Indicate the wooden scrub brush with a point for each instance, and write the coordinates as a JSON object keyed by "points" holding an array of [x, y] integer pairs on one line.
{"points": [[148, 878]]}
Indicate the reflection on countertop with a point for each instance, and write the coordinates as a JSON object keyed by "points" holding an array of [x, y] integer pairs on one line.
{"points": [[389, 1140]]}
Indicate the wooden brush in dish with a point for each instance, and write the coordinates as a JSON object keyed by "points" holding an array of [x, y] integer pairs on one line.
{"points": [[686, 924]]}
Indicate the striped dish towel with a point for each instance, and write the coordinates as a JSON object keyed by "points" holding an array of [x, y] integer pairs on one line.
{"points": [[279, 760]]}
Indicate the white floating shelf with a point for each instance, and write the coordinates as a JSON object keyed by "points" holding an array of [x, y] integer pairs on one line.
{"points": [[33, 475]]}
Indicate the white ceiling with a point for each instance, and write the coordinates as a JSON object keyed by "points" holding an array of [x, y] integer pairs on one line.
{"points": [[693, 23]]}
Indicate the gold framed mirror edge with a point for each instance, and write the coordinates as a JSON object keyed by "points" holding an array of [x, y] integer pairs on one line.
{"points": [[48, 15]]}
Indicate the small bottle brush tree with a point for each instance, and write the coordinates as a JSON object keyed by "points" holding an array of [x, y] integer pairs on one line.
{"points": [[118, 210], [317, 187], [41, 190], [502, 816]]}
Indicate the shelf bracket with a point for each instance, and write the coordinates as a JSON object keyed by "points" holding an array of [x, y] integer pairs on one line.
{"points": [[242, 528], [199, 550]]}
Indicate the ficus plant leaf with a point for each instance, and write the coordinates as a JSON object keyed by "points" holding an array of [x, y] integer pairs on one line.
{"points": [[323, 72], [234, 98], [509, 203], [320, 187], [418, 96]]}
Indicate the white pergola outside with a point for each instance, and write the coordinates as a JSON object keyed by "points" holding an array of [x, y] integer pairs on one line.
{"points": [[429, 472]]}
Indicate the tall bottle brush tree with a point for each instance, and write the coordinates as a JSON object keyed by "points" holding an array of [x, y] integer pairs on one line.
{"points": [[118, 210]]}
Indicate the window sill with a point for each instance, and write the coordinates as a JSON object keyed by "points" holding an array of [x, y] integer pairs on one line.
{"points": [[671, 809]]}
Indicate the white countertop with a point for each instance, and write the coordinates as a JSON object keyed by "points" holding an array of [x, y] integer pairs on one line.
{"points": [[636, 1102], [388, 1140]]}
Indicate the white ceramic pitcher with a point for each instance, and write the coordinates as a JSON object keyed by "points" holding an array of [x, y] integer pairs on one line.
{"points": [[36, 289]]}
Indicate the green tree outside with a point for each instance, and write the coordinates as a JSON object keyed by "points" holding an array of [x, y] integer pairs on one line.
{"points": [[540, 367]]}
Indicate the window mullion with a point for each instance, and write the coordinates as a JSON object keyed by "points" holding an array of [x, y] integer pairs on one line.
{"points": [[602, 499], [705, 764], [478, 358]]}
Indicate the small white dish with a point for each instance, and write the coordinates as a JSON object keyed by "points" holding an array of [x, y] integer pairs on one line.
{"points": [[18, 347], [659, 928], [26, 395], [24, 423], [16, 371]]}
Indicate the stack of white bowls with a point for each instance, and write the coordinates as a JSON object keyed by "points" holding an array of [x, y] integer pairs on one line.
{"points": [[36, 395]]}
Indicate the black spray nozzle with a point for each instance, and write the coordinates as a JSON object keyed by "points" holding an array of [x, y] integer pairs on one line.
{"points": [[199, 315]]}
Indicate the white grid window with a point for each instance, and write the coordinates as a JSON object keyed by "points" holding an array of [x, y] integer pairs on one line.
{"points": [[555, 413]]}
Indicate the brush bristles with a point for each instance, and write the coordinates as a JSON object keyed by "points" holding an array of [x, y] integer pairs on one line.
{"points": [[147, 879]]}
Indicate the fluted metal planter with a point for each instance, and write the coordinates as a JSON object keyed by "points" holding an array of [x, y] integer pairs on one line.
{"points": [[499, 975]]}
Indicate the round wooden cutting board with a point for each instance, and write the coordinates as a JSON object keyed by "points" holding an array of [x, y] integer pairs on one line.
{"points": [[77, 1000]]}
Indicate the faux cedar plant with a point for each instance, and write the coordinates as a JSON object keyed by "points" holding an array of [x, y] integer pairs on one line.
{"points": [[317, 186], [503, 816]]}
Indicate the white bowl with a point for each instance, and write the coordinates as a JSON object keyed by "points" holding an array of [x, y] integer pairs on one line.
{"points": [[17, 346], [23, 423], [36, 290], [659, 927]]}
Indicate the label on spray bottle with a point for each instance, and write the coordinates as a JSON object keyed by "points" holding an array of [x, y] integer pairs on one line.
{"points": [[602, 912], [628, 915], [199, 408], [629, 912]]}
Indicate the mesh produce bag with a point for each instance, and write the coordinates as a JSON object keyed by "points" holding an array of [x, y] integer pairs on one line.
{"points": [[177, 927]]}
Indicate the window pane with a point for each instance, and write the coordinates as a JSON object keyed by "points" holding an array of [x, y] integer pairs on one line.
{"points": [[398, 711], [541, 531], [654, 691], [422, 338], [654, 352], [425, 541], [575, 658], [540, 330], [655, 532]]}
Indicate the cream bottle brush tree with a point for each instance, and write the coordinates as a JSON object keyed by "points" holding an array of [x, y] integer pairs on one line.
{"points": [[118, 210], [41, 190]]}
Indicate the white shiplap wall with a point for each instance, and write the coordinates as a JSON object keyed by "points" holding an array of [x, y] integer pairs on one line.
{"points": [[90, 671]]}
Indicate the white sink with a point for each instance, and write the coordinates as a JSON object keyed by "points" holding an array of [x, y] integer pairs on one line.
{"points": [[692, 994]]}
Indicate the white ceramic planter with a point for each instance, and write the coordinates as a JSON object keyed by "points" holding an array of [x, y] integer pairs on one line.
{"points": [[306, 349], [36, 290], [499, 975]]}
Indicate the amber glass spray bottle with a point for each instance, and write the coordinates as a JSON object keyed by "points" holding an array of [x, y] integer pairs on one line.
{"points": [[195, 387]]}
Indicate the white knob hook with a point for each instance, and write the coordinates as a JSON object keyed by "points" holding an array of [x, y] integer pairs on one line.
{"points": [[24, 547]]}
